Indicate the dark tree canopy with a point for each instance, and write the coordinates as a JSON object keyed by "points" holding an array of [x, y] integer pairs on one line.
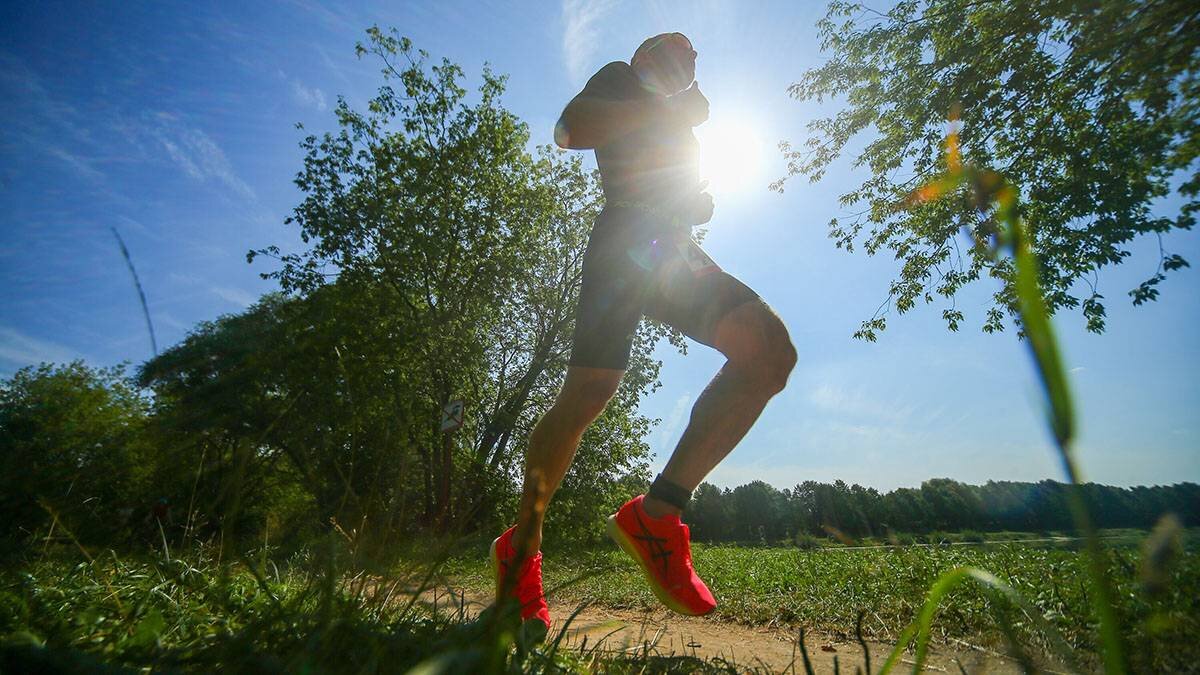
{"points": [[1089, 107], [72, 447], [757, 512]]}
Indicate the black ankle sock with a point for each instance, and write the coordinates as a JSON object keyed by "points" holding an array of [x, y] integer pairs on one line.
{"points": [[670, 493]]}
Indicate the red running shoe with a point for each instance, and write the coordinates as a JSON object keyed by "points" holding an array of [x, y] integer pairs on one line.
{"points": [[662, 547], [527, 588]]}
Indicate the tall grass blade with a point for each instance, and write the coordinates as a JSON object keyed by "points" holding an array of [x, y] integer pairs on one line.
{"points": [[138, 284], [991, 189]]}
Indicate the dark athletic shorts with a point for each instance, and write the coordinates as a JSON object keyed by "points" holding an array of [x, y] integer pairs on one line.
{"points": [[637, 265]]}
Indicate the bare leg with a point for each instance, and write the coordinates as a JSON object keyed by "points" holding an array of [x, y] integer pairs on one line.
{"points": [[553, 443], [760, 357]]}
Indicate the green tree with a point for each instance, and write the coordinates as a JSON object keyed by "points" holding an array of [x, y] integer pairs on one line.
{"points": [[453, 260], [757, 510], [1089, 107], [952, 504], [708, 514], [253, 406], [426, 202], [72, 444]]}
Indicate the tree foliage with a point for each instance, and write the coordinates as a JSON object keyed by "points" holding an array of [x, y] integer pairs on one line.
{"points": [[1089, 107], [72, 446], [757, 512], [443, 262]]}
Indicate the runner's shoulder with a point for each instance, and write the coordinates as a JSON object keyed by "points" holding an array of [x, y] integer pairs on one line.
{"points": [[615, 80]]}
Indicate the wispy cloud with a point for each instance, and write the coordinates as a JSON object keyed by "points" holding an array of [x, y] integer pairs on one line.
{"points": [[81, 166], [234, 295], [18, 349], [39, 117], [309, 96], [671, 426], [334, 68], [581, 34], [197, 154], [332, 17], [859, 404], [305, 95]]}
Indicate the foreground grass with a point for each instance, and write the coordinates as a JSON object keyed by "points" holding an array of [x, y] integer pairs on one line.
{"points": [[116, 615], [827, 588], [65, 613]]}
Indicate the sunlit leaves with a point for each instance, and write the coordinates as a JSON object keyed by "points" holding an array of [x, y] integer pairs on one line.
{"points": [[1089, 109]]}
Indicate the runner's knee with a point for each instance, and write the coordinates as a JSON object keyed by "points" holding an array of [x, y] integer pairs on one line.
{"points": [[775, 361], [767, 352], [783, 360], [582, 399]]}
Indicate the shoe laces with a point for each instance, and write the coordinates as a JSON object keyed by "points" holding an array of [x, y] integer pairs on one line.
{"points": [[660, 549]]}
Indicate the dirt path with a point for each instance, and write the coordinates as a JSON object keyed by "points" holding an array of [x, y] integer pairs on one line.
{"points": [[664, 633]]}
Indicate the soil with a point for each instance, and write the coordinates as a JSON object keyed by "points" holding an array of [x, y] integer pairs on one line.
{"points": [[664, 633]]}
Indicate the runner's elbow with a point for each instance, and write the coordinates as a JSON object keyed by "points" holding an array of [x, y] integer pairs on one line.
{"points": [[570, 134], [562, 135]]}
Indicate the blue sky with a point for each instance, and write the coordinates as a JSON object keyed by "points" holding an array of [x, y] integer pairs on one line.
{"points": [[174, 123]]}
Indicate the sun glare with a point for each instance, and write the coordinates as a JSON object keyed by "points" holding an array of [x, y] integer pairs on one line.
{"points": [[731, 155]]}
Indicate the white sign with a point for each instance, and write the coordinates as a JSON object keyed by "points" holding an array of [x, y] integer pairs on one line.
{"points": [[452, 415]]}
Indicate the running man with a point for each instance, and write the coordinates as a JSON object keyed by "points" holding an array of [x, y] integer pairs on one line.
{"points": [[642, 261]]}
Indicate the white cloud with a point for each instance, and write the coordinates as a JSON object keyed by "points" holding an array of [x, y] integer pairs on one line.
{"points": [[79, 164], [234, 295], [170, 321], [197, 154], [309, 96], [581, 33], [23, 350], [859, 404], [668, 433], [334, 68]]}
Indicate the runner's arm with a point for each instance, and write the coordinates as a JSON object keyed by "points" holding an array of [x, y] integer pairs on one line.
{"points": [[589, 122], [612, 104]]}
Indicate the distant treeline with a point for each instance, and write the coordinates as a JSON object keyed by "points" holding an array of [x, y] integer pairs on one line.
{"points": [[759, 512]]}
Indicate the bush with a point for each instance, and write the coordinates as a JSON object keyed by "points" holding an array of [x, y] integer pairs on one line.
{"points": [[75, 447], [970, 535], [806, 542]]}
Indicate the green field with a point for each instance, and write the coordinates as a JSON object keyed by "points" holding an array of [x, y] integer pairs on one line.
{"points": [[826, 588], [301, 613]]}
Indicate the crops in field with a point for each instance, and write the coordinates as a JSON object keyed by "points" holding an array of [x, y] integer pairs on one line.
{"points": [[827, 588]]}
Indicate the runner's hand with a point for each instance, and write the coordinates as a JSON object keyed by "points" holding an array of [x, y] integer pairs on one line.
{"points": [[690, 105], [702, 209]]}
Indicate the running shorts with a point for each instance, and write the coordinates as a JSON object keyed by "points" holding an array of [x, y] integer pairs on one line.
{"points": [[636, 265]]}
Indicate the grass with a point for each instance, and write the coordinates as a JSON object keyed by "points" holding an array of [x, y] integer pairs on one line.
{"points": [[826, 589], [116, 614], [65, 613]]}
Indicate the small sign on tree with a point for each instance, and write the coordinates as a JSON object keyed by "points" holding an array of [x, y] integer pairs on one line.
{"points": [[452, 415]]}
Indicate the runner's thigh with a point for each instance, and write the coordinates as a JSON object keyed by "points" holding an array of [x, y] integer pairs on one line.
{"points": [[610, 300], [692, 293]]}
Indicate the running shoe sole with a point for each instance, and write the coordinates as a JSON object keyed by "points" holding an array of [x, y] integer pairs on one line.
{"points": [[618, 535]]}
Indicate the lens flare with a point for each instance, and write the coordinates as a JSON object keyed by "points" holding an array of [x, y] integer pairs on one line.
{"points": [[731, 157]]}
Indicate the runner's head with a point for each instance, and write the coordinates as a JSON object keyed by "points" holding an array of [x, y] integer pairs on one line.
{"points": [[666, 62]]}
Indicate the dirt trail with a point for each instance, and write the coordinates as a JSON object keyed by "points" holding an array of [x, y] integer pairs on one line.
{"points": [[665, 633]]}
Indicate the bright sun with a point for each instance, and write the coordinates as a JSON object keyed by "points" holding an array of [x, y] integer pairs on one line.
{"points": [[730, 157]]}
